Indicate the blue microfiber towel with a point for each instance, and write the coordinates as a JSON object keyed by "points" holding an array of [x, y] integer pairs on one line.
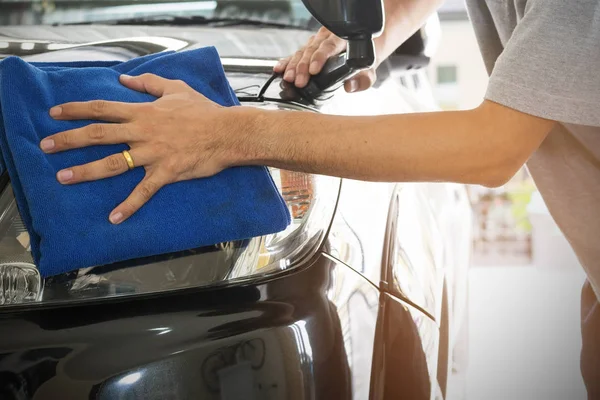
{"points": [[68, 225]]}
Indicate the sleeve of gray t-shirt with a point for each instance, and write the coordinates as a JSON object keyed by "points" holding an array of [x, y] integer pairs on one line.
{"points": [[550, 67]]}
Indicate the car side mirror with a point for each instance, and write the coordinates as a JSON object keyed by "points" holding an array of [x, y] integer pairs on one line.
{"points": [[357, 21]]}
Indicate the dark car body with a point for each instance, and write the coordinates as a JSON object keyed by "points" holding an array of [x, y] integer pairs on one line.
{"points": [[370, 312]]}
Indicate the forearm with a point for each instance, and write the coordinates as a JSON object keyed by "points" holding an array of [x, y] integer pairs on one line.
{"points": [[402, 19], [462, 146]]}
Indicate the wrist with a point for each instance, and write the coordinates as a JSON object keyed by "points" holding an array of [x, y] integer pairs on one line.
{"points": [[250, 142]]}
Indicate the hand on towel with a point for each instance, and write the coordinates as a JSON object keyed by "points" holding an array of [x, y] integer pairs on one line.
{"points": [[164, 136]]}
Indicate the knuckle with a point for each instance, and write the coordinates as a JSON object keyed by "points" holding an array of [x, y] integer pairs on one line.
{"points": [[113, 163], [172, 167], [147, 190], [128, 208], [98, 107], [314, 47], [329, 45], [147, 75], [97, 131], [65, 139]]}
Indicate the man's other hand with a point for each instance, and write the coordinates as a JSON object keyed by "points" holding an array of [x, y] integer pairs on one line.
{"points": [[310, 59]]}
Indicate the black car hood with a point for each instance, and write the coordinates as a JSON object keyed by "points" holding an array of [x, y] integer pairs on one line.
{"points": [[248, 53]]}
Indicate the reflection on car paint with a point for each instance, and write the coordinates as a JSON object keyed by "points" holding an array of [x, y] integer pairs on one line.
{"points": [[414, 263], [317, 325], [361, 219], [407, 371]]}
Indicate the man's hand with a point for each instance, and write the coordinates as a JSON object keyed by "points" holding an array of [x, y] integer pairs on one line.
{"points": [[310, 60], [402, 19], [166, 137]]}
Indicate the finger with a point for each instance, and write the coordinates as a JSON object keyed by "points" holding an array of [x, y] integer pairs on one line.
{"points": [[110, 111], [152, 84], [143, 192], [362, 81], [93, 134], [302, 67], [281, 65], [107, 167], [290, 71], [328, 48]]}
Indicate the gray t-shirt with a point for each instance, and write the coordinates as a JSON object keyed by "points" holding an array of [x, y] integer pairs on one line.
{"points": [[543, 57]]}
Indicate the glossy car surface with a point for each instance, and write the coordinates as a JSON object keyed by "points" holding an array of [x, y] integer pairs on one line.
{"points": [[371, 312]]}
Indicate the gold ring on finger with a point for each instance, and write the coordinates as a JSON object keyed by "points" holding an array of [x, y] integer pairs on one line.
{"points": [[129, 159]]}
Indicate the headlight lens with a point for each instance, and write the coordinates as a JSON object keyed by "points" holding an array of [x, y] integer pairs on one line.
{"points": [[311, 200]]}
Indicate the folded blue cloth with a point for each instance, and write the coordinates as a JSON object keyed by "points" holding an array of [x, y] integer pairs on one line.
{"points": [[68, 225]]}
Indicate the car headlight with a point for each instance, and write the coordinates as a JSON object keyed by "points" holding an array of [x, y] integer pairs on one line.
{"points": [[310, 198]]}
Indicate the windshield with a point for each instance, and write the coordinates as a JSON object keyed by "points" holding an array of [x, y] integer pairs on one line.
{"points": [[43, 12]]}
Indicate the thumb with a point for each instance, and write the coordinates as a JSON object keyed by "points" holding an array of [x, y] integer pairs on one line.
{"points": [[361, 81], [149, 83]]}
